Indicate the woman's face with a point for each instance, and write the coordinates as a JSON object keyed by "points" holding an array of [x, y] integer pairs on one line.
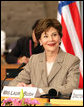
{"points": [[50, 40]]}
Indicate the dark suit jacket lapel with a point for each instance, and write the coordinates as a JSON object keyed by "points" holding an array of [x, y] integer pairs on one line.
{"points": [[56, 66]]}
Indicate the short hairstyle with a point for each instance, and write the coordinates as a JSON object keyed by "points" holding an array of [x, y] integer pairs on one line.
{"points": [[45, 24], [35, 24]]}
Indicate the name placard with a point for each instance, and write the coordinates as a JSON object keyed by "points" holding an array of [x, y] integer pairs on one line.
{"points": [[77, 94], [29, 92]]}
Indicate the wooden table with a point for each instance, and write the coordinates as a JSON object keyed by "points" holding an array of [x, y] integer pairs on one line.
{"points": [[62, 102], [7, 66]]}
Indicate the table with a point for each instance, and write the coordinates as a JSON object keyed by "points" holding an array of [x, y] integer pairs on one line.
{"points": [[62, 102], [7, 66]]}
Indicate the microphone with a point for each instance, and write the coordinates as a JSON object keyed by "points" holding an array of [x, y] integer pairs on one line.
{"points": [[12, 73], [53, 94], [23, 64]]}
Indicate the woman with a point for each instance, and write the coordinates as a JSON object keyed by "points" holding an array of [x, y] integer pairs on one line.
{"points": [[25, 47], [53, 68]]}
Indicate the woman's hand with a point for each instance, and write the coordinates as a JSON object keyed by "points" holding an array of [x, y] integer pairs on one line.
{"points": [[23, 59], [30, 85], [24, 85], [21, 84]]}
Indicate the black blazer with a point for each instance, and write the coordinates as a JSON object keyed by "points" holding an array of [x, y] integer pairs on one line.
{"points": [[24, 47]]}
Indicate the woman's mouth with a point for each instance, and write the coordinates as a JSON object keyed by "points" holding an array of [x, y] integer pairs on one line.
{"points": [[51, 44]]}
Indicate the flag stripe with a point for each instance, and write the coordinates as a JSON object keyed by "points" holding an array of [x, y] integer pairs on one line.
{"points": [[81, 68], [68, 44], [75, 16], [59, 17], [62, 46], [81, 81]]}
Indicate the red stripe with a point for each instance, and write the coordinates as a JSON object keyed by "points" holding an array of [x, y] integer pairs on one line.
{"points": [[30, 47], [66, 39], [81, 81], [77, 21]]}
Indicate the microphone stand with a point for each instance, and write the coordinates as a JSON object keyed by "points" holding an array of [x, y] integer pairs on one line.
{"points": [[3, 82]]}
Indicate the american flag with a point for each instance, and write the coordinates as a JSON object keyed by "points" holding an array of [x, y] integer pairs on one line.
{"points": [[72, 42]]}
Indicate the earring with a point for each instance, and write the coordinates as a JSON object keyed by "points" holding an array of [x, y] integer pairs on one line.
{"points": [[60, 43], [40, 44]]}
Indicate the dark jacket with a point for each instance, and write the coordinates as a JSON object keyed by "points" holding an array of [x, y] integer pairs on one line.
{"points": [[24, 47]]}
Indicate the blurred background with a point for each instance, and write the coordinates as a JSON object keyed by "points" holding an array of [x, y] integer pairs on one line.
{"points": [[17, 17]]}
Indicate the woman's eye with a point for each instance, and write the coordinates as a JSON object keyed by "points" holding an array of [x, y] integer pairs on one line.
{"points": [[54, 34]]}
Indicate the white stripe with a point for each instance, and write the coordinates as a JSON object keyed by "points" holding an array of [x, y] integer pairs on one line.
{"points": [[80, 13], [78, 5], [82, 16], [58, 17], [62, 46], [59, 1], [81, 68]]}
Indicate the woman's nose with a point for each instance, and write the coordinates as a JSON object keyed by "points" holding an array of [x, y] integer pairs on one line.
{"points": [[51, 38]]}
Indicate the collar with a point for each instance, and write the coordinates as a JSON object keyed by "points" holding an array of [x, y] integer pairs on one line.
{"points": [[60, 56]]}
